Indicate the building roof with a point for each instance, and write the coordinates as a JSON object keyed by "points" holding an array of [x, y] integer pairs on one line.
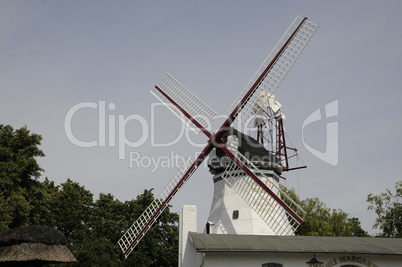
{"points": [[295, 244], [34, 243], [28, 252]]}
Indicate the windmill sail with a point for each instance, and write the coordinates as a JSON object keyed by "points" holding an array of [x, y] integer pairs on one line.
{"points": [[278, 210], [277, 65], [141, 226], [199, 114]]}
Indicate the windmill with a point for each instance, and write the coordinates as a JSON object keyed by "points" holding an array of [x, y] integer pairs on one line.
{"points": [[255, 185]]}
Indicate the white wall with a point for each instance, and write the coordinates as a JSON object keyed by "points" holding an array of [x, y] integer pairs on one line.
{"points": [[256, 259]]}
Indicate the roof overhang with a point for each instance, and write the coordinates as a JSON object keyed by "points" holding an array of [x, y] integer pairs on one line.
{"points": [[295, 244]]}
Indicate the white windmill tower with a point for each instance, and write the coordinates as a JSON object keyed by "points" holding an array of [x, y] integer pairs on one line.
{"points": [[237, 207], [265, 207]]}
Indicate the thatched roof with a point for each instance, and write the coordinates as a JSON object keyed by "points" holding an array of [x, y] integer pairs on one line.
{"points": [[34, 243], [36, 252]]}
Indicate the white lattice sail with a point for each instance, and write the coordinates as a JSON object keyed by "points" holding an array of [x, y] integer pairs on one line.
{"points": [[281, 65], [274, 215], [185, 100], [140, 227]]}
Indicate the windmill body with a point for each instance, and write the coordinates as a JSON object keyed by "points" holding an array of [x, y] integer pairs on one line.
{"points": [[247, 196], [230, 212]]}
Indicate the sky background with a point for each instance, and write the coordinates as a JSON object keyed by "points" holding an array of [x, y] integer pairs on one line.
{"points": [[58, 54]]}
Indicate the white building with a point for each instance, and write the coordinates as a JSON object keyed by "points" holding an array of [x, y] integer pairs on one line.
{"points": [[196, 249]]}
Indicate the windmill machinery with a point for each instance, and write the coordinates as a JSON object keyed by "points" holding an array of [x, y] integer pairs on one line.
{"points": [[250, 181], [267, 127]]}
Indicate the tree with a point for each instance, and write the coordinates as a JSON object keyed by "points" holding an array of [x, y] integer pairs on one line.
{"points": [[71, 211], [159, 247], [104, 230], [92, 227], [388, 207], [323, 221], [108, 220], [19, 172]]}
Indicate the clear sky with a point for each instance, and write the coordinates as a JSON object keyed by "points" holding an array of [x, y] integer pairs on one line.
{"points": [[59, 55]]}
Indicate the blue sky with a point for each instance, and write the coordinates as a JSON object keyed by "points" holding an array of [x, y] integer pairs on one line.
{"points": [[57, 54]]}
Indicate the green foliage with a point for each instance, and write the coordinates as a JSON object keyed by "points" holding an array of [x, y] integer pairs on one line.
{"points": [[162, 237], [388, 207], [72, 205], [322, 221], [95, 236], [92, 227], [18, 176]]}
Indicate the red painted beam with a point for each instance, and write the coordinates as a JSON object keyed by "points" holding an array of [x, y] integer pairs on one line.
{"points": [[196, 123]]}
